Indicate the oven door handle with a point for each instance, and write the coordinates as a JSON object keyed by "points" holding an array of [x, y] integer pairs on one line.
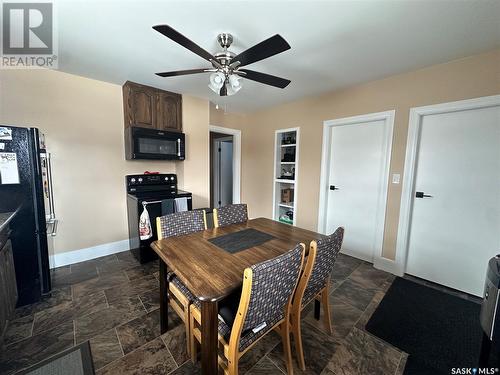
{"points": [[144, 203]]}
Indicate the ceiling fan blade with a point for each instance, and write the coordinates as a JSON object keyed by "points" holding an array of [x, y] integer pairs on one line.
{"points": [[183, 41], [181, 72], [265, 78], [267, 48]]}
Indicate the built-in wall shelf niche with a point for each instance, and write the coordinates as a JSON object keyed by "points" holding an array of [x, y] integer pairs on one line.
{"points": [[286, 161]]}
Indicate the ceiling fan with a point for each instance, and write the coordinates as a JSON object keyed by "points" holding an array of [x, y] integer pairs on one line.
{"points": [[226, 65]]}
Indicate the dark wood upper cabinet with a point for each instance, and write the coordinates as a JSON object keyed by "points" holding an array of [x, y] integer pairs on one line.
{"points": [[152, 108], [169, 111]]}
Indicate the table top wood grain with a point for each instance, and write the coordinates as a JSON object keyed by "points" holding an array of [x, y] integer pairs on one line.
{"points": [[212, 273]]}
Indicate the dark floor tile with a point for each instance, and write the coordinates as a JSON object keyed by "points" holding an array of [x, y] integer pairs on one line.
{"points": [[259, 351], [367, 314], [139, 331], [150, 359], [102, 282], [188, 368], [142, 270], [364, 354], [150, 299], [126, 256], [18, 329], [59, 281], [343, 317], [118, 312], [369, 277], [176, 342], [105, 348], [68, 311], [132, 288], [88, 264], [60, 271], [354, 293], [344, 266], [25, 353], [125, 261], [56, 297], [318, 349], [265, 367], [402, 364]]}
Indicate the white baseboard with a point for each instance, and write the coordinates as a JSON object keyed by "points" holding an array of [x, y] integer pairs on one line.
{"points": [[388, 265], [75, 256]]}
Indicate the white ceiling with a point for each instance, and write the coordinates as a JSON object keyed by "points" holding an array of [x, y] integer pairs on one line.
{"points": [[335, 44]]}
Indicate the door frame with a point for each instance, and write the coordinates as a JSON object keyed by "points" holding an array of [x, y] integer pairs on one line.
{"points": [[412, 149], [388, 118], [236, 133]]}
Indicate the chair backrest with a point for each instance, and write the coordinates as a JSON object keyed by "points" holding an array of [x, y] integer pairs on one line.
{"points": [[180, 223], [319, 266], [230, 214], [267, 292]]}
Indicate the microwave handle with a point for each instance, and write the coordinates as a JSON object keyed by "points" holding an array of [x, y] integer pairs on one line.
{"points": [[178, 147]]}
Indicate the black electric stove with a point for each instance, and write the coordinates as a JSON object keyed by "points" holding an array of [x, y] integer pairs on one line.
{"points": [[158, 192]]}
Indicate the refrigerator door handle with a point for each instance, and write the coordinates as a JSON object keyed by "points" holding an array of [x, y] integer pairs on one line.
{"points": [[51, 189], [54, 228]]}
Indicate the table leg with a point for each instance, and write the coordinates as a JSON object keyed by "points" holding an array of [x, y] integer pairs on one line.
{"points": [[209, 337], [163, 297], [317, 307]]}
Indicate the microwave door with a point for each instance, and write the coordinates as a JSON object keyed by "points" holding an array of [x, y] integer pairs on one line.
{"points": [[157, 148]]}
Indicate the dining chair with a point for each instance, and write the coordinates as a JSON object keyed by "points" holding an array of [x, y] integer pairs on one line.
{"points": [[264, 305], [178, 224], [314, 284], [230, 214]]}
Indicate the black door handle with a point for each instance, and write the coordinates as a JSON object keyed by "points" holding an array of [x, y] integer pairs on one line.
{"points": [[420, 194], [333, 187]]}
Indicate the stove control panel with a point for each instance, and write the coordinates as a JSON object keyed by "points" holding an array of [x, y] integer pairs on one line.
{"points": [[138, 182]]}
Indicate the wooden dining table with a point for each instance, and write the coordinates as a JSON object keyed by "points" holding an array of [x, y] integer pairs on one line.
{"points": [[212, 273]]}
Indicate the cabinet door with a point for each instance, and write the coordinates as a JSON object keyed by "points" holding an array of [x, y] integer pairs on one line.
{"points": [[169, 111], [141, 106]]}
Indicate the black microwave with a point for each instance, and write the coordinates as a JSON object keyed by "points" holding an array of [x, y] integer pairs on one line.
{"points": [[142, 143]]}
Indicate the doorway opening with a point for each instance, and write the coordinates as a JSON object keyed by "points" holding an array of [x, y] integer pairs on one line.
{"points": [[221, 169]]}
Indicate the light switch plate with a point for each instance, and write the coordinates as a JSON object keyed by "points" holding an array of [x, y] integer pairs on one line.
{"points": [[396, 177]]}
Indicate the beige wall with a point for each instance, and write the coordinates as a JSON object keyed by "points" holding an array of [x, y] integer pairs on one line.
{"points": [[194, 173], [83, 123], [470, 77]]}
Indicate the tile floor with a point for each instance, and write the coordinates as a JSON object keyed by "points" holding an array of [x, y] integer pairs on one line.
{"points": [[113, 302]]}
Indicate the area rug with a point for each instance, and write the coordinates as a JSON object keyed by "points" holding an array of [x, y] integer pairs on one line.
{"points": [[74, 361], [439, 331]]}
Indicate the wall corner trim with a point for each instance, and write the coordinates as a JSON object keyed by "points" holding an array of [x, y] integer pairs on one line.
{"points": [[80, 255], [388, 265]]}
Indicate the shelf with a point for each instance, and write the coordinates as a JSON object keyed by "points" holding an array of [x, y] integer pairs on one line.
{"points": [[289, 222], [286, 163]]}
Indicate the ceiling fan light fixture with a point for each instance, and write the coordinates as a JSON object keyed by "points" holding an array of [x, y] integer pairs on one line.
{"points": [[216, 81], [233, 84]]}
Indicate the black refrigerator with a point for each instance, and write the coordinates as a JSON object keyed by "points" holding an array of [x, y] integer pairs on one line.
{"points": [[25, 186]]}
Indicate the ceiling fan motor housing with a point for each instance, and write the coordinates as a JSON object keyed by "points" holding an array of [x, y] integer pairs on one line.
{"points": [[225, 40]]}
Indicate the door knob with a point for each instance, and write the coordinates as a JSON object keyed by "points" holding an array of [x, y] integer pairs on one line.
{"points": [[420, 194], [333, 187]]}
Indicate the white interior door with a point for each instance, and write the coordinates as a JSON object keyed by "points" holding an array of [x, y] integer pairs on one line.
{"points": [[357, 167], [454, 232]]}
